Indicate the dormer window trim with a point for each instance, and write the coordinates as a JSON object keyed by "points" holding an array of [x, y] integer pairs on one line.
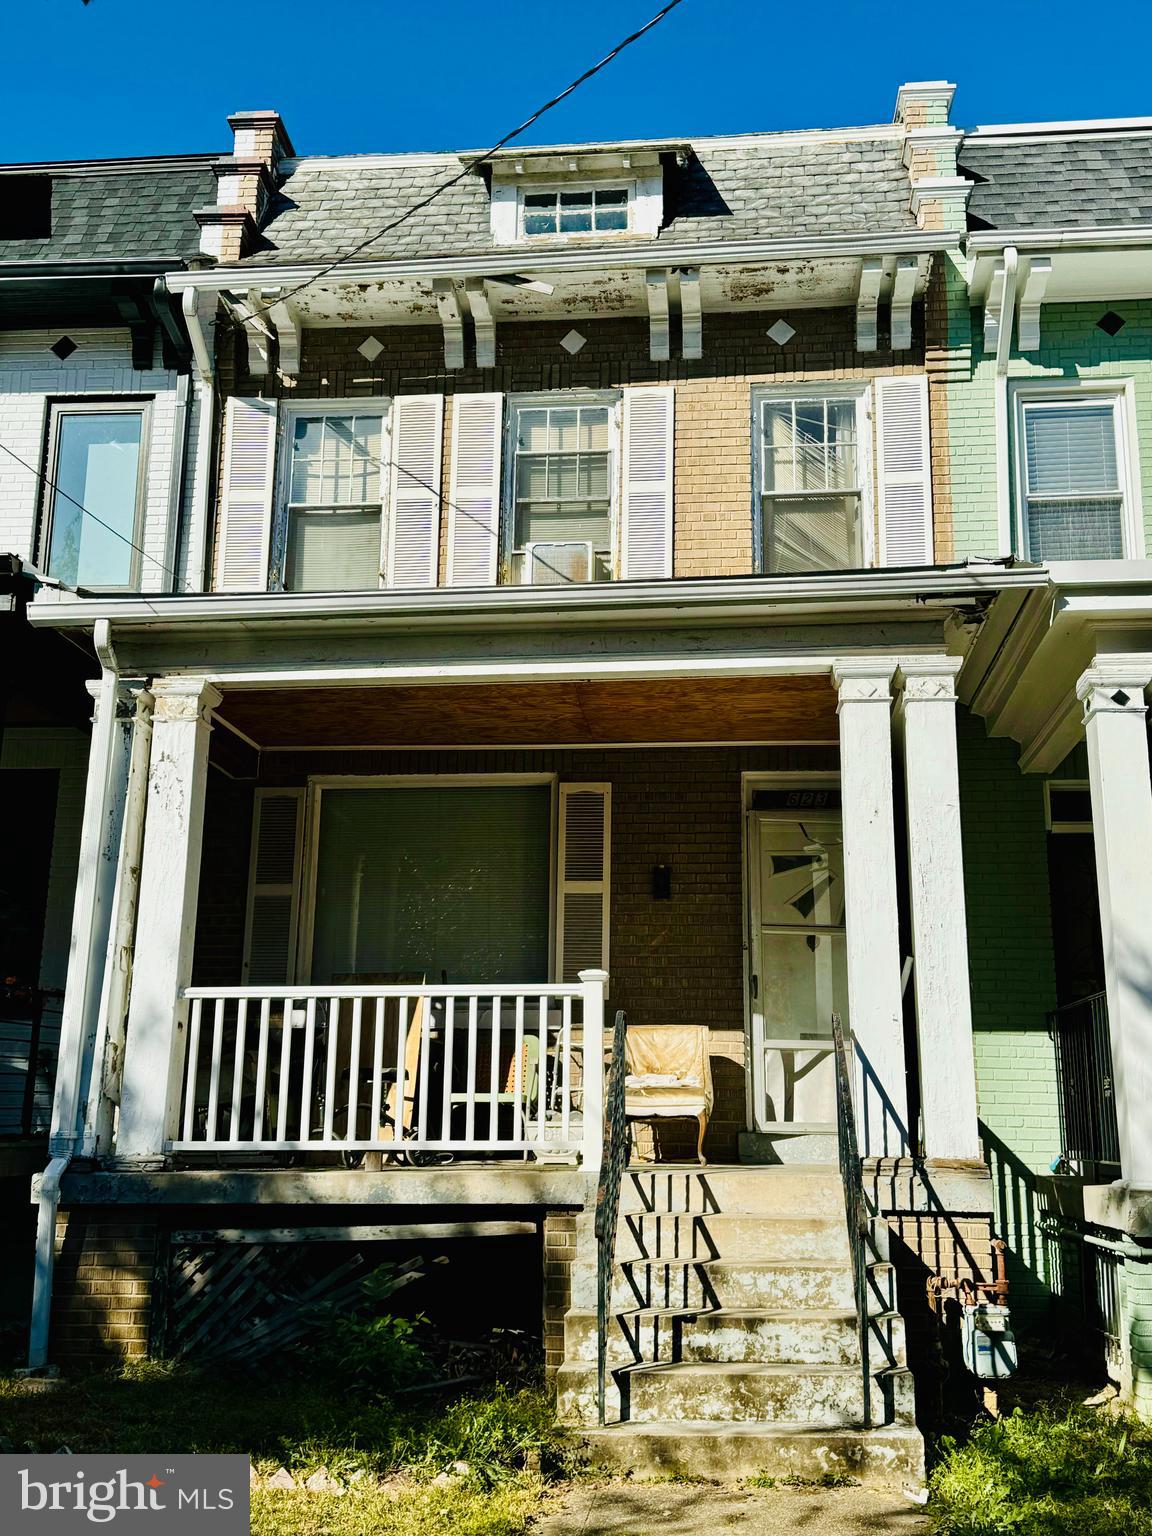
{"points": [[514, 181]]}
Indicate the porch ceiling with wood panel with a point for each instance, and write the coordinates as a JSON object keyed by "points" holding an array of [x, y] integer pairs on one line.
{"points": [[796, 709]]}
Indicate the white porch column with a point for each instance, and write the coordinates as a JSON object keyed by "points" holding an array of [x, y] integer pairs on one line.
{"points": [[1112, 692], [169, 878], [939, 921], [875, 1013]]}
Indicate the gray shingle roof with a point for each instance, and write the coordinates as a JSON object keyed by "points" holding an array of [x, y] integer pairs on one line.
{"points": [[1102, 179], [118, 214], [758, 187]]}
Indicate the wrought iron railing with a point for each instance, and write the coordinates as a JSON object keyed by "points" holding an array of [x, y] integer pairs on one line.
{"points": [[608, 1200], [856, 1207], [29, 1042], [1088, 1131]]}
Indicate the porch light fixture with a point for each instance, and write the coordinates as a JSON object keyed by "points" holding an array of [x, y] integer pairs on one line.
{"points": [[661, 882]]}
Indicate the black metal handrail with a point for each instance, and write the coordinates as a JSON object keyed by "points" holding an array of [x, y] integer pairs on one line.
{"points": [[855, 1205], [1087, 1097], [608, 1199]]}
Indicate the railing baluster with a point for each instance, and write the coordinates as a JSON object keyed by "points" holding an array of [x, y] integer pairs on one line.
{"points": [[238, 1069], [285, 1071], [377, 1070], [449, 1046], [542, 1080], [402, 1014], [420, 1130], [470, 1084], [566, 1066], [353, 1070], [192, 1070], [494, 1074], [306, 1085], [261, 1070], [520, 1108], [214, 1079], [330, 1066]]}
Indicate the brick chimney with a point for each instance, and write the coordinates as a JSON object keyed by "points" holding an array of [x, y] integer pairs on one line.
{"points": [[939, 196], [245, 183]]}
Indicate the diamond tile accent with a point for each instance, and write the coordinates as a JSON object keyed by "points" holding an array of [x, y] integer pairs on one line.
{"points": [[63, 348], [573, 342], [1111, 323], [1121, 698], [371, 349], [781, 332]]}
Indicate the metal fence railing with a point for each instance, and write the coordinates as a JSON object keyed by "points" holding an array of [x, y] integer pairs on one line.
{"points": [[1086, 1089]]}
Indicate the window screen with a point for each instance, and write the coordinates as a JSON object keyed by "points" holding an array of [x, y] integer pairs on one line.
{"points": [[1074, 500], [334, 503], [95, 497], [811, 492], [449, 881], [563, 512]]}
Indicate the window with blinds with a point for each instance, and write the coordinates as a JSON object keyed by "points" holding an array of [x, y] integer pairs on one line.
{"points": [[445, 881], [812, 488], [334, 500], [1072, 480], [562, 481]]}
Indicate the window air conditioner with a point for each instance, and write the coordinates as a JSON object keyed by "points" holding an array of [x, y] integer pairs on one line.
{"points": [[553, 564]]}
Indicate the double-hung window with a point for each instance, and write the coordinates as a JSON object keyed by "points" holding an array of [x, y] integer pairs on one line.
{"points": [[562, 476], [95, 494], [334, 492], [811, 483], [1072, 482], [591, 211]]}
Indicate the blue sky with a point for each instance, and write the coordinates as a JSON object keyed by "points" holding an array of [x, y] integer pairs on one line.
{"points": [[124, 77]]}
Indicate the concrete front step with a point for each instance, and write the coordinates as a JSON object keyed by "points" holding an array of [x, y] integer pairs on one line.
{"points": [[788, 1337], [718, 1283], [742, 1393], [892, 1457], [813, 1190], [698, 1236]]}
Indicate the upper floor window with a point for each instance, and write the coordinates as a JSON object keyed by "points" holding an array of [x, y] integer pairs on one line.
{"points": [[95, 494], [562, 478], [333, 499], [593, 210], [811, 483], [1075, 498]]}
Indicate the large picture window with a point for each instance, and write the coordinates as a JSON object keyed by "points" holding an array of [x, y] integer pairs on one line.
{"points": [[811, 483], [334, 497], [444, 881], [562, 482], [1071, 476], [95, 495]]}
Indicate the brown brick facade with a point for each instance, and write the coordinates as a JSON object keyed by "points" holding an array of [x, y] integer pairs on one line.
{"points": [[713, 533], [106, 1266]]}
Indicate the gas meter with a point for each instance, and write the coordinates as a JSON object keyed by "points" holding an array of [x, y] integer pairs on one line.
{"points": [[987, 1341]]}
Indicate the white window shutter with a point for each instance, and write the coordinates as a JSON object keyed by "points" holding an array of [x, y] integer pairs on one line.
{"points": [[246, 495], [474, 491], [904, 471], [646, 538], [414, 499], [274, 887], [584, 879]]}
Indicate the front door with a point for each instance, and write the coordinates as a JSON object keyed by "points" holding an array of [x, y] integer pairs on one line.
{"points": [[797, 972]]}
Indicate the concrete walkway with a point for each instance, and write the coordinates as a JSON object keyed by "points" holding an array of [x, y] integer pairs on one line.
{"points": [[690, 1509]]}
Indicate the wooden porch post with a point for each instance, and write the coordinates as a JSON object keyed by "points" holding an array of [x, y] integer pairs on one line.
{"points": [[169, 878], [595, 984], [939, 920], [875, 1009], [1115, 724]]}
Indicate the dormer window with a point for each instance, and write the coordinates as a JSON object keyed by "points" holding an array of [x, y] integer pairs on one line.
{"points": [[592, 210]]}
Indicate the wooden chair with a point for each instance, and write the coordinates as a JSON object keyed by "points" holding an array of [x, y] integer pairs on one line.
{"points": [[669, 1075]]}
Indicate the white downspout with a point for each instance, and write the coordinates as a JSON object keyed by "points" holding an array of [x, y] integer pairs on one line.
{"points": [[1003, 353], [86, 954], [202, 468]]}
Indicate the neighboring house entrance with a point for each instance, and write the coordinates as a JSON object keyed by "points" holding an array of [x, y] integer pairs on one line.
{"points": [[797, 974]]}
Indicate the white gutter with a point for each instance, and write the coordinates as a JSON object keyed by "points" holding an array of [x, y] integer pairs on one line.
{"points": [[1059, 239], [253, 274], [86, 956]]}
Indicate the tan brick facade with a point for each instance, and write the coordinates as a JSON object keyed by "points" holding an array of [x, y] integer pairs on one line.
{"points": [[106, 1264], [714, 517], [559, 1257]]}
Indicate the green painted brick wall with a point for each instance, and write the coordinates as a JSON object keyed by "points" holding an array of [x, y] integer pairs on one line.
{"points": [[1071, 347], [1137, 1314], [1013, 986]]}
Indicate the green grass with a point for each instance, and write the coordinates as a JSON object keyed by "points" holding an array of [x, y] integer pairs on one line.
{"points": [[1050, 1472], [415, 1511]]}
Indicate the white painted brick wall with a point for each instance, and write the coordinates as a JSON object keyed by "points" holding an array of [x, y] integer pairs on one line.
{"points": [[31, 376]]}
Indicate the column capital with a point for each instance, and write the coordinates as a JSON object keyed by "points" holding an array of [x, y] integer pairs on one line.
{"points": [[929, 679], [184, 699], [863, 680], [1114, 685], [128, 692]]}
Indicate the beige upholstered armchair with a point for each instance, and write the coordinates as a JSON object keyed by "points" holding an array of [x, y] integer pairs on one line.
{"points": [[669, 1075]]}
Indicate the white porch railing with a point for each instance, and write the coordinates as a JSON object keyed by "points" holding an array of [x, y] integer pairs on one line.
{"points": [[395, 1069]]}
